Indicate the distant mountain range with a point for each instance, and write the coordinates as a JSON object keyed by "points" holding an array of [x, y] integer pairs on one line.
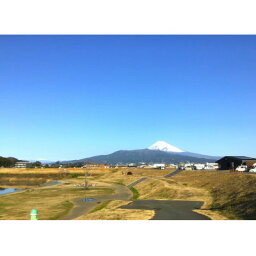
{"points": [[159, 152]]}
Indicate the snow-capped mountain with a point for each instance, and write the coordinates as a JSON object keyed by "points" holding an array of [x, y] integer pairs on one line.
{"points": [[159, 152], [163, 146]]}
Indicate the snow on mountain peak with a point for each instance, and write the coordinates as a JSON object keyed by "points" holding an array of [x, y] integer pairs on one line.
{"points": [[163, 146]]}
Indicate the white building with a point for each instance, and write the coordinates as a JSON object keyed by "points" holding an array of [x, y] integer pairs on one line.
{"points": [[158, 166], [199, 166], [212, 166], [22, 165]]}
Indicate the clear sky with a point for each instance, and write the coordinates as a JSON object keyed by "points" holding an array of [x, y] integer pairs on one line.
{"points": [[70, 97]]}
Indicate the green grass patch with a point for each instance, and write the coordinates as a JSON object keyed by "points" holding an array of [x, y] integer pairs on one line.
{"points": [[74, 175], [101, 206], [115, 170], [135, 193], [119, 183]]}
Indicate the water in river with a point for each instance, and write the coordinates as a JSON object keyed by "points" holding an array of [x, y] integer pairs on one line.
{"points": [[4, 191], [7, 190]]}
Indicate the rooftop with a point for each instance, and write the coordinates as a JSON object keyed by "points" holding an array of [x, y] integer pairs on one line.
{"points": [[240, 157]]}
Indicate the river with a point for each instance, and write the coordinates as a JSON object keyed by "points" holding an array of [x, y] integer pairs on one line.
{"points": [[4, 191]]}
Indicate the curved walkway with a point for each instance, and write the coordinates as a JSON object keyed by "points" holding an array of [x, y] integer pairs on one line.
{"points": [[169, 209], [164, 209], [173, 173], [81, 208]]}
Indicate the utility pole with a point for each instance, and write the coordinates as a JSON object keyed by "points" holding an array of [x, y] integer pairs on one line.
{"points": [[85, 180]]}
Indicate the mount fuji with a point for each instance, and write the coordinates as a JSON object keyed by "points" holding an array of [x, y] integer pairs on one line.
{"points": [[159, 152], [163, 146]]}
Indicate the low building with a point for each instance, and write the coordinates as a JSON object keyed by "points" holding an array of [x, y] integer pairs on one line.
{"points": [[132, 165], [214, 166], [199, 166], [158, 166], [172, 166], [232, 162], [22, 165]]}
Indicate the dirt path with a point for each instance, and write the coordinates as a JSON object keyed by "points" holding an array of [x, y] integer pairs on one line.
{"points": [[81, 208]]}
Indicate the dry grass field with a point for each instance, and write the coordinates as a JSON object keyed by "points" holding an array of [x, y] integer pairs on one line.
{"points": [[225, 195], [25, 178], [52, 170], [51, 202], [166, 189], [233, 195], [161, 189], [118, 175]]}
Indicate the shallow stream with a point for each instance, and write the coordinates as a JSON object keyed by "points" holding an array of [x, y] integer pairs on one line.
{"points": [[4, 191]]}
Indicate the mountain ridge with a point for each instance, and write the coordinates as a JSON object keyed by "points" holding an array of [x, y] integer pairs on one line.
{"points": [[146, 156]]}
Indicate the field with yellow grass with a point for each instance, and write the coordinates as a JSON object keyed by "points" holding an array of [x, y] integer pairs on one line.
{"points": [[22, 178], [225, 195], [55, 202], [51, 202], [119, 175], [51, 170], [233, 194], [167, 189]]}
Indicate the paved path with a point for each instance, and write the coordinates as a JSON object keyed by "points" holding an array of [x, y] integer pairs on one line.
{"points": [[144, 178], [136, 182], [172, 173], [81, 208], [169, 210], [164, 209]]}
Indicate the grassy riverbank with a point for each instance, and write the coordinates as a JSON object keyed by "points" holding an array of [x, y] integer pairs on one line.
{"points": [[51, 202], [225, 195]]}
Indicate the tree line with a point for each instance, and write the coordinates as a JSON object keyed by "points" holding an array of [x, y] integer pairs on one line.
{"points": [[7, 161]]}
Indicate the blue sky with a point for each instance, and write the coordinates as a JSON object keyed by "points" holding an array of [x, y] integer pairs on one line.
{"points": [[69, 97]]}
